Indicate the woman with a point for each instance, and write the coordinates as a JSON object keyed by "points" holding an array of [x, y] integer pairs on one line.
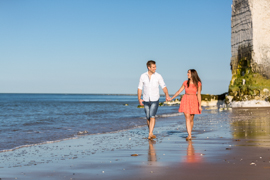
{"points": [[191, 101]]}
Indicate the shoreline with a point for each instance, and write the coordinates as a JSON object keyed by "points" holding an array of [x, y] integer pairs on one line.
{"points": [[160, 116], [219, 149]]}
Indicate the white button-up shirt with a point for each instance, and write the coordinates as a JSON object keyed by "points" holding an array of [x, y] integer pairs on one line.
{"points": [[151, 86]]}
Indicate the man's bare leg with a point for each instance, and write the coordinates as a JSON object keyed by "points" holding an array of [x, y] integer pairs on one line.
{"points": [[151, 128]]}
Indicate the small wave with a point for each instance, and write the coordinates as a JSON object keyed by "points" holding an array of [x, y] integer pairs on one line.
{"points": [[166, 115], [29, 145], [75, 137], [170, 115], [40, 122]]}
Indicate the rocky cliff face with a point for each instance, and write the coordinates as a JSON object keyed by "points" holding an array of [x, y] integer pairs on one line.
{"points": [[250, 48], [241, 35]]}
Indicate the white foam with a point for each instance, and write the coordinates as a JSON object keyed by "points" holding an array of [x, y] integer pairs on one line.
{"points": [[251, 103], [170, 103], [166, 115], [170, 115], [65, 139], [36, 144]]}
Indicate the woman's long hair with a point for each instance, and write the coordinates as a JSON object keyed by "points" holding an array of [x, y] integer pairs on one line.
{"points": [[195, 77]]}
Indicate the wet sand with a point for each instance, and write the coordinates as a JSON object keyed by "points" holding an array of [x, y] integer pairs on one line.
{"points": [[233, 144]]}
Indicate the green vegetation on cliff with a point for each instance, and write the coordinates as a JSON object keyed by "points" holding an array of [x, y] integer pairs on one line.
{"points": [[246, 84]]}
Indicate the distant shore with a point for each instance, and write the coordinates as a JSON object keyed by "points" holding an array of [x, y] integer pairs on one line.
{"points": [[109, 94]]}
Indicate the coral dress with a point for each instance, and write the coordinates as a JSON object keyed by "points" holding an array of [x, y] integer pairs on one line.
{"points": [[189, 103]]}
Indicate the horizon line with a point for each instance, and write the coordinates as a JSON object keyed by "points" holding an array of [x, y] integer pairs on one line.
{"points": [[98, 94]]}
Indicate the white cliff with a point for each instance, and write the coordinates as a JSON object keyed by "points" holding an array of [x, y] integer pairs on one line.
{"points": [[250, 25]]}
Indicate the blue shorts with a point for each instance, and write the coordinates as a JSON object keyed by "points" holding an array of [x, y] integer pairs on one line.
{"points": [[150, 109]]}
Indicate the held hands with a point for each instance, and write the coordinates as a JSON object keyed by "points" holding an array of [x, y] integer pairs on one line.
{"points": [[168, 98]]}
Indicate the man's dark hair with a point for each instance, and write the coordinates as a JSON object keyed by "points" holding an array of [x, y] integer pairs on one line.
{"points": [[149, 63]]}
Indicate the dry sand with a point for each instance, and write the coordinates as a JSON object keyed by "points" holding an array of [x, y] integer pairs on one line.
{"points": [[226, 145]]}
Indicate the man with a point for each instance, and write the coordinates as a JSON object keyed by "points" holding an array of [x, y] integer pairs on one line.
{"points": [[150, 82]]}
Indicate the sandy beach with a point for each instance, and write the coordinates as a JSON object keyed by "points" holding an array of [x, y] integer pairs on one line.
{"points": [[226, 145]]}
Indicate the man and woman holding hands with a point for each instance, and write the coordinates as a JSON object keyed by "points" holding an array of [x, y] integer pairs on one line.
{"points": [[190, 102]]}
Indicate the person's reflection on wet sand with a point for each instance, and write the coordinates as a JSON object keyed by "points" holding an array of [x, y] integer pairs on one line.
{"points": [[191, 156], [152, 152]]}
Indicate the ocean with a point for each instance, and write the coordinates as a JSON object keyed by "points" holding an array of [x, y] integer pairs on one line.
{"points": [[28, 119]]}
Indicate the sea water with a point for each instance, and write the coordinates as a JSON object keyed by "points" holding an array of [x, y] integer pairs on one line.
{"points": [[27, 119]]}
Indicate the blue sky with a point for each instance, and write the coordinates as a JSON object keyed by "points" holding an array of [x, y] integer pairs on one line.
{"points": [[102, 46]]}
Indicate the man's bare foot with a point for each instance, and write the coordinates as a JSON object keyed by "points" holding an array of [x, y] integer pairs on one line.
{"points": [[152, 136]]}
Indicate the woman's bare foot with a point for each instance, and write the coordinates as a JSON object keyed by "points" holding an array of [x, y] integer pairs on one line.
{"points": [[188, 138]]}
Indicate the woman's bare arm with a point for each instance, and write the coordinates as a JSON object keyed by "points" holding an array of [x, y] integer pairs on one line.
{"points": [[178, 92], [199, 97]]}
